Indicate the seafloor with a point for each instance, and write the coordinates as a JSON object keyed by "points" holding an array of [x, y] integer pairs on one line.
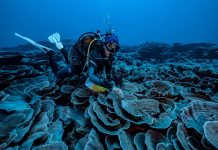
{"points": [[170, 101]]}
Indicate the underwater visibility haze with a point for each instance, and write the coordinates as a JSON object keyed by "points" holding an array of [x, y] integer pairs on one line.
{"points": [[109, 74], [135, 21]]}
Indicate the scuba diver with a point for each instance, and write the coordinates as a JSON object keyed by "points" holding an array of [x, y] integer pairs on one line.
{"points": [[91, 55]]}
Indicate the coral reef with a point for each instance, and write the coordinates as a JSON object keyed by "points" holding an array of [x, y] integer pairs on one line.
{"points": [[170, 101]]}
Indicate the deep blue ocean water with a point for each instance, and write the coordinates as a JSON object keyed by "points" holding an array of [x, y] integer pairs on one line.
{"points": [[135, 21], [91, 96]]}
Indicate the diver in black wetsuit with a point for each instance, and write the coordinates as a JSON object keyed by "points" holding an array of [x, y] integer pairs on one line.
{"points": [[92, 53]]}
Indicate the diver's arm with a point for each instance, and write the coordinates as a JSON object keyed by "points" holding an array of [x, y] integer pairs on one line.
{"points": [[95, 52], [97, 80]]}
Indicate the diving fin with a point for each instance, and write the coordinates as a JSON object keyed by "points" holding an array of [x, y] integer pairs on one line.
{"points": [[56, 39], [39, 46]]}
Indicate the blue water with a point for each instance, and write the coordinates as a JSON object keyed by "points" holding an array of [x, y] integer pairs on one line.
{"points": [[135, 21]]}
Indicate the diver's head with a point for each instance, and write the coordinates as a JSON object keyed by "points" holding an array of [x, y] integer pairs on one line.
{"points": [[111, 43]]}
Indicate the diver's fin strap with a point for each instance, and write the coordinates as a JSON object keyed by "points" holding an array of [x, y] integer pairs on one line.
{"points": [[39, 46]]}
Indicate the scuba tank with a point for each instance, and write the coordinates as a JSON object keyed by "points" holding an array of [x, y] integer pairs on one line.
{"points": [[77, 48]]}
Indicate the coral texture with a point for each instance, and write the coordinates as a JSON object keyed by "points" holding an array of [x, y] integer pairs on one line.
{"points": [[170, 101]]}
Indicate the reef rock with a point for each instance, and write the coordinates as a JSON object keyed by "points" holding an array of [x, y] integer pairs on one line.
{"points": [[169, 101]]}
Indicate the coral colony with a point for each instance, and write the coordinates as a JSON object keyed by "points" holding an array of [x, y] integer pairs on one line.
{"points": [[170, 101]]}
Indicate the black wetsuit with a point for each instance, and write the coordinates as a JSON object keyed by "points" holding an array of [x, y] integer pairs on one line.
{"points": [[98, 62]]}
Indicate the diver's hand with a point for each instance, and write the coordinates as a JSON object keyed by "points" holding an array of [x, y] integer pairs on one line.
{"points": [[55, 39], [112, 83], [118, 92], [107, 84]]}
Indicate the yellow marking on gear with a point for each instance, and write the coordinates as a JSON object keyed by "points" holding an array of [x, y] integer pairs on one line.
{"points": [[95, 87]]}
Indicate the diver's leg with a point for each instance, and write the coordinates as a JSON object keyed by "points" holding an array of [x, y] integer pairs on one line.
{"points": [[60, 71], [52, 57], [65, 72]]}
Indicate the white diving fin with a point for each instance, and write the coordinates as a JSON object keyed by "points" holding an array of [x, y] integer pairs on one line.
{"points": [[56, 39], [39, 46]]}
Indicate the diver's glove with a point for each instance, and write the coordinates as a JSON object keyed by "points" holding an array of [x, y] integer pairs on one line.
{"points": [[109, 84], [55, 39]]}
